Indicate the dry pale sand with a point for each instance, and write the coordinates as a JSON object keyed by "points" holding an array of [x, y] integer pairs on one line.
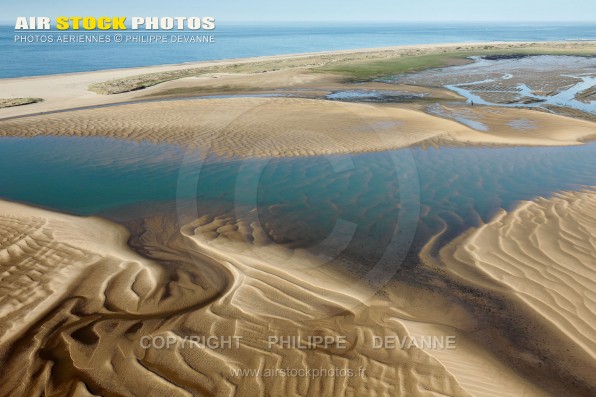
{"points": [[433, 309], [272, 127], [79, 331], [542, 256], [68, 91], [42, 257]]}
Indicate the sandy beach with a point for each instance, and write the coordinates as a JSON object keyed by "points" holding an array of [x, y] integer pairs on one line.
{"points": [[72, 90], [82, 294], [270, 98]]}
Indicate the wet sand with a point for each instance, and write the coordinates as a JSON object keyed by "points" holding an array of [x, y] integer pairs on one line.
{"points": [[220, 275], [85, 336], [78, 299]]}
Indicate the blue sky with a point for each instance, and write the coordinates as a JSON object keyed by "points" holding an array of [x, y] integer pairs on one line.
{"points": [[316, 10]]}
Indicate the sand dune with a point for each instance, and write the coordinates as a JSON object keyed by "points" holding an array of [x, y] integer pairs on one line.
{"points": [[273, 127], [84, 335], [542, 256]]}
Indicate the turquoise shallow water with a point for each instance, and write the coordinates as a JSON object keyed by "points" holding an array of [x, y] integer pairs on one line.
{"points": [[303, 197]]}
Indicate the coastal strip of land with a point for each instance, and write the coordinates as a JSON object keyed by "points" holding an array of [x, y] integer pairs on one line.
{"points": [[74, 90]]}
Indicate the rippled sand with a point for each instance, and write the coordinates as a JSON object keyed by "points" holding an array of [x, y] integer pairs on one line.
{"points": [[540, 257], [94, 299], [222, 275], [76, 300], [273, 127]]}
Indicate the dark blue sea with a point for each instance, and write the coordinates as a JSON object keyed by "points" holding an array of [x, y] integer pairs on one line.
{"points": [[236, 41]]}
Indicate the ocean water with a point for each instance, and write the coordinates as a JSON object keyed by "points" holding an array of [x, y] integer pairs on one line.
{"points": [[237, 41]]}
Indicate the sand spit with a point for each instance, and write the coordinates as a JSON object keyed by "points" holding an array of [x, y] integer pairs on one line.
{"points": [[68, 91], [541, 257], [84, 336], [274, 127]]}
